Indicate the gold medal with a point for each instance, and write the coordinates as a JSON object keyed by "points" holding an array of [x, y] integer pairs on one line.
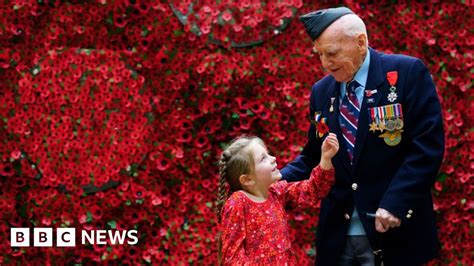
{"points": [[392, 138], [382, 126], [373, 127]]}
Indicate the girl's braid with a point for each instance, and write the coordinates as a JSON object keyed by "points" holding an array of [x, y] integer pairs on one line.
{"points": [[222, 193]]}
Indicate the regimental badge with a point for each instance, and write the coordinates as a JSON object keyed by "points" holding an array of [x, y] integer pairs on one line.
{"points": [[369, 93], [388, 118], [320, 123], [392, 78]]}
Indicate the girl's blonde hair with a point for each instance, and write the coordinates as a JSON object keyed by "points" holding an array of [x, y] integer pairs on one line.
{"points": [[235, 161]]}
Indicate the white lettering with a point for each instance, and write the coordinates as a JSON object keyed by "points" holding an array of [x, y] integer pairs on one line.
{"points": [[117, 235], [90, 238], [101, 236], [133, 235]]}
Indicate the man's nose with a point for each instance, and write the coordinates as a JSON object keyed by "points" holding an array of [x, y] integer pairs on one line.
{"points": [[325, 62]]}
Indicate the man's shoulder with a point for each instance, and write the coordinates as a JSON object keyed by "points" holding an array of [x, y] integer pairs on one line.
{"points": [[323, 83], [399, 60], [398, 57]]}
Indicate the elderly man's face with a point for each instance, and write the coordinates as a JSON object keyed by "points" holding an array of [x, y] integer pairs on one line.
{"points": [[340, 54]]}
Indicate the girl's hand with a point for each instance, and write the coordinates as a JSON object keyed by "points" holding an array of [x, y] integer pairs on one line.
{"points": [[328, 150]]}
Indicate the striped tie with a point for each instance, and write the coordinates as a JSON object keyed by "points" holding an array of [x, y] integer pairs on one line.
{"points": [[350, 116]]}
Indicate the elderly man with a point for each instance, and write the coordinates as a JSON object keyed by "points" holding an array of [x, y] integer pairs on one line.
{"points": [[385, 111]]}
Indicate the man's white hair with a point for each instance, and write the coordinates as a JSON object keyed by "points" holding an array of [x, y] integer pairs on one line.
{"points": [[351, 25]]}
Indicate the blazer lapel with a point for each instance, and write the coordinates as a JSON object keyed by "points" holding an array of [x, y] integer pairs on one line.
{"points": [[374, 79]]}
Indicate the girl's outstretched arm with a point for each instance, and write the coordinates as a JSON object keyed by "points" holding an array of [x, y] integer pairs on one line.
{"points": [[306, 192]]}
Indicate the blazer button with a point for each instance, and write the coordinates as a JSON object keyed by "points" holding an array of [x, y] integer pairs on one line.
{"points": [[410, 211], [408, 216], [354, 186], [346, 216]]}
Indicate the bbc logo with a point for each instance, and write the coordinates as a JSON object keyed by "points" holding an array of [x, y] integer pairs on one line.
{"points": [[66, 237], [42, 237]]}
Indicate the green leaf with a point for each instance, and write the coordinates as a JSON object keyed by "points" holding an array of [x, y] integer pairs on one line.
{"points": [[89, 217], [110, 19], [178, 33], [235, 116], [112, 224], [442, 177], [311, 252]]}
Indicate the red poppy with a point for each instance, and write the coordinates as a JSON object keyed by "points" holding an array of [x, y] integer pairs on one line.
{"points": [[322, 128]]}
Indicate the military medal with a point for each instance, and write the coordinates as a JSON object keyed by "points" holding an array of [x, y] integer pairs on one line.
{"points": [[390, 125], [392, 96], [398, 123], [392, 138], [388, 118], [382, 126], [373, 127], [392, 79]]}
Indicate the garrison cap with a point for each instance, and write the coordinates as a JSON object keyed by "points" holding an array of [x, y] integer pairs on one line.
{"points": [[317, 21]]}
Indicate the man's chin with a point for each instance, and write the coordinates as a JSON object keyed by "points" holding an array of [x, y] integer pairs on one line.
{"points": [[338, 78]]}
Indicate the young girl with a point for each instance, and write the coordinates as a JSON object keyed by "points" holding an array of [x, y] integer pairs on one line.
{"points": [[253, 220]]}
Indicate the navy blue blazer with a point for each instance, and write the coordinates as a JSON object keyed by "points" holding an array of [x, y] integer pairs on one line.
{"points": [[397, 178]]}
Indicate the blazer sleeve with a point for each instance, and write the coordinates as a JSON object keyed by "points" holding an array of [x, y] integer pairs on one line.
{"points": [[301, 167], [233, 233], [424, 131]]}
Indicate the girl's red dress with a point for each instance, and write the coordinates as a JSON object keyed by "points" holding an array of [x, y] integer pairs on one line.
{"points": [[257, 233]]}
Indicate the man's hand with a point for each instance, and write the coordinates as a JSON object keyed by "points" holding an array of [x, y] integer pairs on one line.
{"points": [[384, 220]]}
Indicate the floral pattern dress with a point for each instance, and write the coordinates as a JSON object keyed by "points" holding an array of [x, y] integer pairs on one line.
{"points": [[257, 233]]}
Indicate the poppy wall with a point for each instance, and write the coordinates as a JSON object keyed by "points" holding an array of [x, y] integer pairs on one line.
{"points": [[113, 114]]}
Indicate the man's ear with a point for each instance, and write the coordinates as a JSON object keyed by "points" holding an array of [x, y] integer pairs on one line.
{"points": [[246, 180], [361, 40]]}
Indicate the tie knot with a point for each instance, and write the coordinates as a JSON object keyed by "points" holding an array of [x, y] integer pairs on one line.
{"points": [[352, 86]]}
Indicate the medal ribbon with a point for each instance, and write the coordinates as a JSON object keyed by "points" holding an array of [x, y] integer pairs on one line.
{"points": [[392, 78]]}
